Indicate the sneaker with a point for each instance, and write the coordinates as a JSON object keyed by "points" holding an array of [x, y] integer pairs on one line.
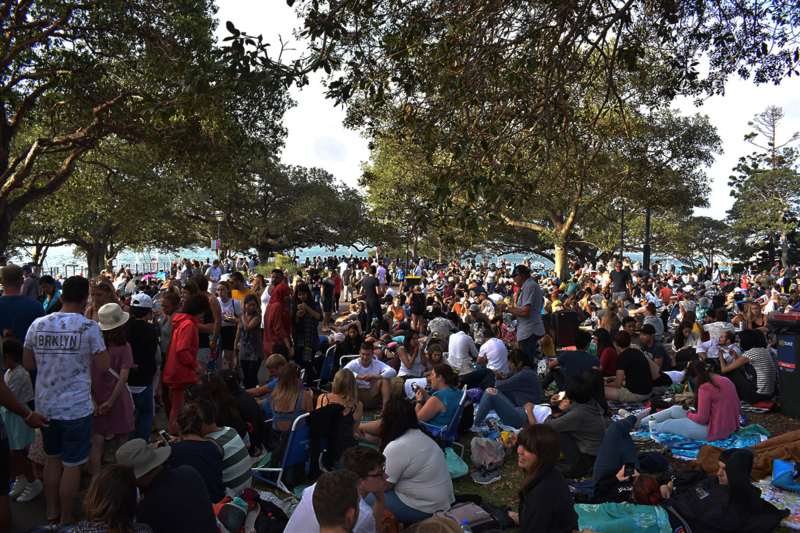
{"points": [[31, 492], [19, 486], [651, 426], [485, 477]]}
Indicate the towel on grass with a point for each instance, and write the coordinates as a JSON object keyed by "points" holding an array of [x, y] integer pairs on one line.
{"points": [[687, 449], [782, 499], [622, 518]]}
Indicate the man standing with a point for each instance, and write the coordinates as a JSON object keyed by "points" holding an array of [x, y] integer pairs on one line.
{"points": [[30, 285], [371, 292], [213, 275], [17, 312], [528, 311], [277, 318], [64, 346], [619, 282]]}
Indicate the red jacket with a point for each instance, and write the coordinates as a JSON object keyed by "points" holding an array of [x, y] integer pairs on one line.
{"points": [[181, 367]]}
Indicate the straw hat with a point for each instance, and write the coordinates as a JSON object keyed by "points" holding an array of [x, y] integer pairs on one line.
{"points": [[111, 316]]}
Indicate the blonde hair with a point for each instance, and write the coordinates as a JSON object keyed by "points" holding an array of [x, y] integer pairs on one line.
{"points": [[288, 389], [275, 360], [344, 386]]}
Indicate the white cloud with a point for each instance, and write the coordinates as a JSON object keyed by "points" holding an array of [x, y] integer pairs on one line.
{"points": [[318, 138]]}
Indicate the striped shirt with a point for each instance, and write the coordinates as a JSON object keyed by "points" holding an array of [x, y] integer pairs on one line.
{"points": [[766, 369], [236, 461]]}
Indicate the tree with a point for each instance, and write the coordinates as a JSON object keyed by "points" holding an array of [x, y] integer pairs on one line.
{"points": [[275, 208], [118, 199], [74, 74], [528, 107], [766, 188]]}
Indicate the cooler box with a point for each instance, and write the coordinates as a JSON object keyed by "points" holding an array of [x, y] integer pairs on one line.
{"points": [[787, 329]]}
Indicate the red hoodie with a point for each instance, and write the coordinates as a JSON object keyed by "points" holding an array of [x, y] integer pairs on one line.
{"points": [[181, 367]]}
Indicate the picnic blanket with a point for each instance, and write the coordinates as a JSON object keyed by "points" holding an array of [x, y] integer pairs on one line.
{"points": [[759, 407], [782, 499], [622, 518], [615, 406], [688, 449]]}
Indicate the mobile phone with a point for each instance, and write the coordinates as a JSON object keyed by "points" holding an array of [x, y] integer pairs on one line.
{"points": [[628, 472], [561, 395], [164, 436], [414, 387]]}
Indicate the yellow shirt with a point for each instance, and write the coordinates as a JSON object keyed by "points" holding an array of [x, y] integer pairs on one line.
{"points": [[238, 295]]}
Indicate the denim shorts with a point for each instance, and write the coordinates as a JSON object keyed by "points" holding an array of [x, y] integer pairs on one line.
{"points": [[70, 440]]}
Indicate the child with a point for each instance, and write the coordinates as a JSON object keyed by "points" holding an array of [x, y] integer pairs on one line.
{"points": [[26, 487]]}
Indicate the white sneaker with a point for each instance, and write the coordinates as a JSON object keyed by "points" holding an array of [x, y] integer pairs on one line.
{"points": [[651, 426], [34, 489], [19, 486]]}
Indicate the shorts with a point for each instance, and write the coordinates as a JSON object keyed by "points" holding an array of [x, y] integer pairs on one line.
{"points": [[627, 396], [371, 398], [203, 355], [227, 335], [327, 305], [68, 439]]}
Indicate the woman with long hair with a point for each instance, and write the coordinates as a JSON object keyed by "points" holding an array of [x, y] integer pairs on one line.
{"points": [[110, 503], [715, 414], [231, 313], [113, 416], [306, 314], [755, 353], [545, 501], [249, 341], [214, 389], [416, 470], [101, 292], [606, 352], [289, 399], [440, 407]]}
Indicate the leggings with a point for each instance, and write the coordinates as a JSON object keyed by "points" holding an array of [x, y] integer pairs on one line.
{"points": [[675, 420], [176, 396]]}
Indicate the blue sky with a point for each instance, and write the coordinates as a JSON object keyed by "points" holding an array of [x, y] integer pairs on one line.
{"points": [[318, 138]]}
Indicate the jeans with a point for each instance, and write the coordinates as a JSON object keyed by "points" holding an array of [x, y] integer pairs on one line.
{"points": [[509, 414], [401, 511], [144, 411], [250, 372], [675, 420], [530, 349], [616, 450]]}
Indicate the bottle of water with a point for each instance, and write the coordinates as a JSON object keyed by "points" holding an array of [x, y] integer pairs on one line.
{"points": [[465, 526]]}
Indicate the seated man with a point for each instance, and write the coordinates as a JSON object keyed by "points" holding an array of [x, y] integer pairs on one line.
{"points": [[508, 397], [580, 424], [173, 500], [336, 501], [367, 465], [572, 363], [633, 382], [372, 378]]}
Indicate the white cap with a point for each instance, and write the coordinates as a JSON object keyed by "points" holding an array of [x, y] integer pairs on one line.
{"points": [[142, 300]]}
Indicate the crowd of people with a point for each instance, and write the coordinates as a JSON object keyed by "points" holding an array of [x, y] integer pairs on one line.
{"points": [[234, 360]]}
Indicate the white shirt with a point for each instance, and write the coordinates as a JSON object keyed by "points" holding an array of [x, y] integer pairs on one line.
{"points": [[715, 329], [496, 353], [375, 368], [417, 467], [460, 351], [64, 345], [303, 519], [264, 302]]}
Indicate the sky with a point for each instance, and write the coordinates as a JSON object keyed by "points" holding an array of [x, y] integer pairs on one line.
{"points": [[317, 137]]}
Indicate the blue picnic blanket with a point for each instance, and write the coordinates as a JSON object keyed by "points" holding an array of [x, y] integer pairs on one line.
{"points": [[622, 518], [687, 449]]}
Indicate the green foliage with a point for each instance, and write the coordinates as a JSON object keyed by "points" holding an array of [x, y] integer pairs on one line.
{"points": [[284, 262]]}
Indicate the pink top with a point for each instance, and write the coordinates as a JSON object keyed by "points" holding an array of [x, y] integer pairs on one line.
{"points": [[718, 408]]}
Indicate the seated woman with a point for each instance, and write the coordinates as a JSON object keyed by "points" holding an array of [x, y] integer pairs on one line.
{"points": [[545, 501], [345, 393], [726, 503], [289, 399], [716, 411], [439, 408], [755, 352], [248, 409], [193, 449], [606, 352], [213, 387], [110, 503], [508, 396], [580, 426], [412, 357], [416, 471], [273, 365]]}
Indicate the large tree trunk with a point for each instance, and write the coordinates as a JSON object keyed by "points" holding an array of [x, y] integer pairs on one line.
{"points": [[560, 260], [784, 249], [95, 258], [6, 218]]}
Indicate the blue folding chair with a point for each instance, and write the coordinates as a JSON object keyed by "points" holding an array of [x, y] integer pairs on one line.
{"points": [[448, 435], [296, 453], [343, 360], [326, 372]]}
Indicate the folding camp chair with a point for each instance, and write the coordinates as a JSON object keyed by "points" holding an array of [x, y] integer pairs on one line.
{"points": [[448, 435], [326, 371], [296, 453], [343, 360]]}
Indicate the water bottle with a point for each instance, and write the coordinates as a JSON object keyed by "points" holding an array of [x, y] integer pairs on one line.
{"points": [[465, 526]]}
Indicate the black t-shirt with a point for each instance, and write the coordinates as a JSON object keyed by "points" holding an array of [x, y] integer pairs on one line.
{"points": [[657, 351], [177, 501], [206, 458], [418, 303], [619, 280], [144, 340], [637, 371], [370, 286]]}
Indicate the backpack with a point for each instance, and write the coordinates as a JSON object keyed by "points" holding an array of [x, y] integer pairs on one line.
{"points": [[487, 453], [271, 519]]}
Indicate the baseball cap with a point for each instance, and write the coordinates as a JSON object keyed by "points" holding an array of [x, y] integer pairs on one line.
{"points": [[142, 300]]}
